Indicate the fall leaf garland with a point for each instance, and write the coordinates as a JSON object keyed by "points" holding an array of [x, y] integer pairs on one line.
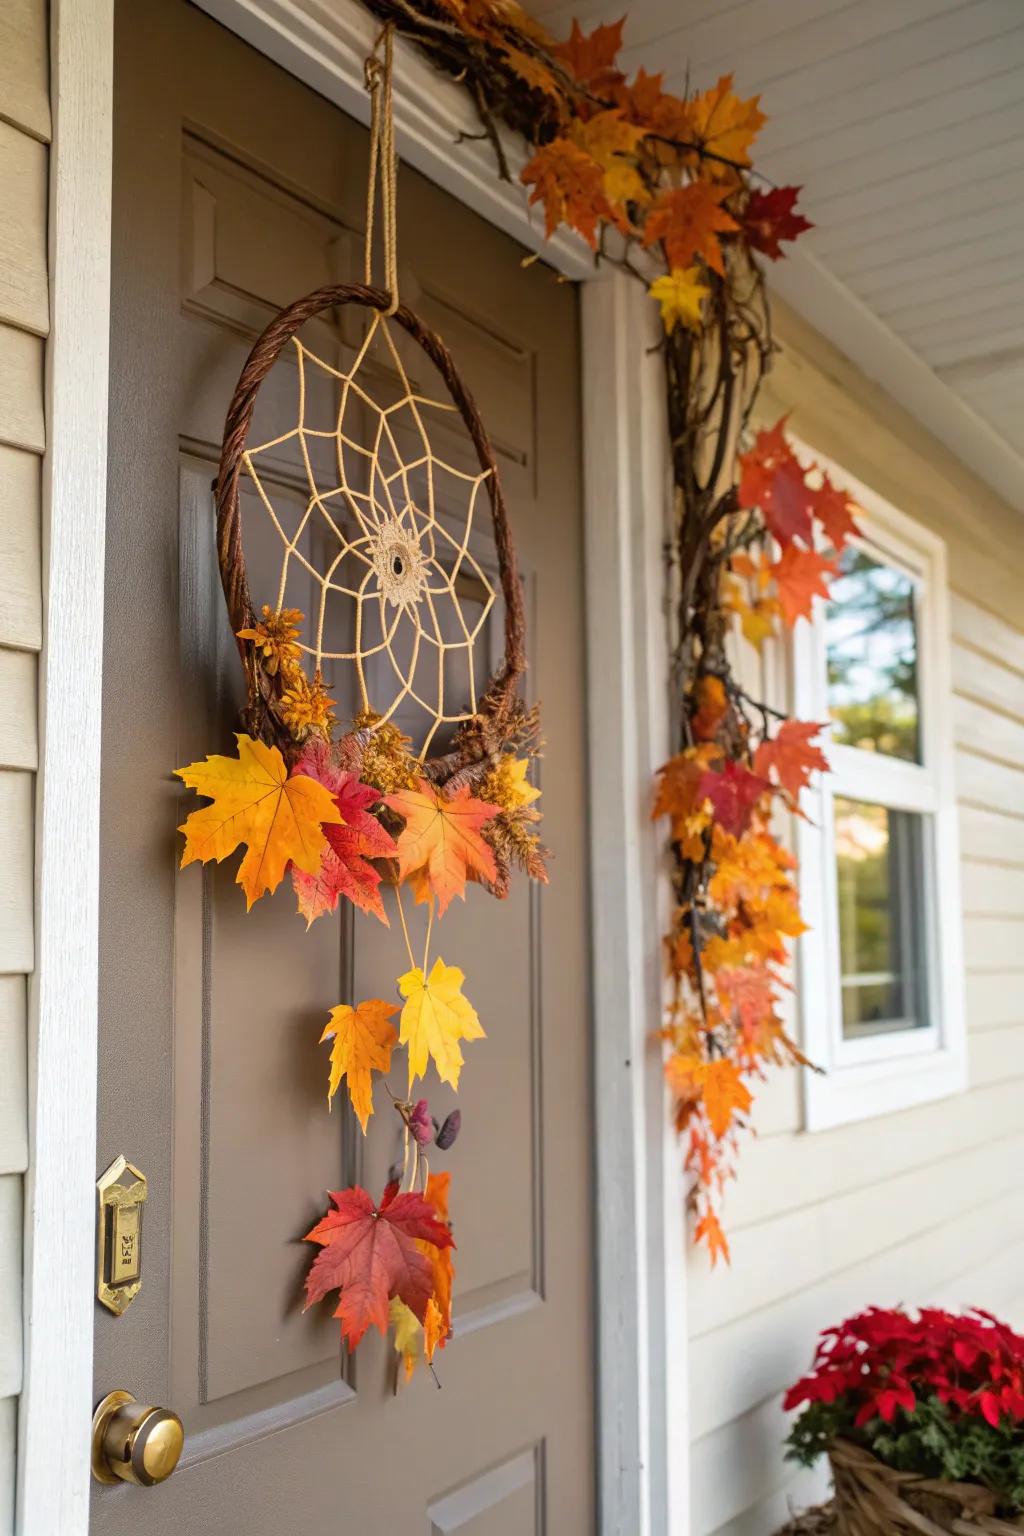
{"points": [[665, 187], [345, 839]]}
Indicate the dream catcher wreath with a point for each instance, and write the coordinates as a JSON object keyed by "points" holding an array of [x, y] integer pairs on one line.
{"points": [[386, 534]]}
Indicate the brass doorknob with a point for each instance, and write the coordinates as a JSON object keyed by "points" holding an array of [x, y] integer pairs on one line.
{"points": [[133, 1443]]}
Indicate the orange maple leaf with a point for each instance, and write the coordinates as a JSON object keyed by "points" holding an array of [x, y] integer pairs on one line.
{"points": [[792, 756], [724, 126], [800, 578], [280, 818], [570, 184], [709, 1230], [717, 1084], [689, 220], [642, 98], [712, 705], [725, 1094], [531, 69], [591, 58], [442, 839], [362, 1039], [437, 1325], [612, 141]]}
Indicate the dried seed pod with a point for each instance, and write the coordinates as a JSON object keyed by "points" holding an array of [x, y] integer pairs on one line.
{"points": [[420, 1123], [448, 1132]]}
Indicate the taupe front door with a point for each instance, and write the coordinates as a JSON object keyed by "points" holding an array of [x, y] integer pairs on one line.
{"points": [[236, 190]]}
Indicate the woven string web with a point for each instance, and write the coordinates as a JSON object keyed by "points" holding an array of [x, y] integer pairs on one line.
{"points": [[391, 552]]}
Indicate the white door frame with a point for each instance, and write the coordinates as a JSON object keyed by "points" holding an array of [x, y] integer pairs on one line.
{"points": [[640, 1313]]}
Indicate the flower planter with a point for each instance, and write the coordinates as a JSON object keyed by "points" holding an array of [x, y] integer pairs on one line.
{"points": [[872, 1499]]}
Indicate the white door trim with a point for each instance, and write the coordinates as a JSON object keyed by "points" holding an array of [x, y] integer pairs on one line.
{"points": [[641, 1301], [60, 1190], [642, 1429]]}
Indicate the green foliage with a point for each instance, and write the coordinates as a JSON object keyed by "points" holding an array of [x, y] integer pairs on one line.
{"points": [[931, 1441]]}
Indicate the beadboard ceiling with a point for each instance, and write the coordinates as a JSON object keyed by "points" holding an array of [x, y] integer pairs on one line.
{"points": [[904, 121]]}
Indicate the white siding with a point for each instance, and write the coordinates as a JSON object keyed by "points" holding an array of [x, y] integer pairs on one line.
{"points": [[927, 1205], [24, 132]]}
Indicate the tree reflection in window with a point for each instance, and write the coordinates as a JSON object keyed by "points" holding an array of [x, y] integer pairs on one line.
{"points": [[879, 867], [871, 647]]}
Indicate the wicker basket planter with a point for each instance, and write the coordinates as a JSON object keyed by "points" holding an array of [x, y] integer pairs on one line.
{"points": [[872, 1499]]}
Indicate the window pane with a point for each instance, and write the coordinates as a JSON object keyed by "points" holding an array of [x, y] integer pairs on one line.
{"points": [[871, 645], [880, 870]]}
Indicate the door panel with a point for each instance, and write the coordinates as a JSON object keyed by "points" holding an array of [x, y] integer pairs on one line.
{"points": [[236, 190]]}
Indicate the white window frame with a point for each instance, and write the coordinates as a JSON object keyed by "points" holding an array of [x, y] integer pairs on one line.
{"points": [[880, 1074]]}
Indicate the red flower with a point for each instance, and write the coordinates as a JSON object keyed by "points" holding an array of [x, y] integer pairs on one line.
{"points": [[883, 1361]]}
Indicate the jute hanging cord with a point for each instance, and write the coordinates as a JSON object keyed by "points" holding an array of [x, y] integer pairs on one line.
{"points": [[398, 511], [379, 76]]}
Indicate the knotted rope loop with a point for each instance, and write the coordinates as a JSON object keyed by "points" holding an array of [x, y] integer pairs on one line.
{"points": [[378, 75]]}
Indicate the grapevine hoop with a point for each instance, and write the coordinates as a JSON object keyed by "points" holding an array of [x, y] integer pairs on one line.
{"points": [[498, 713]]}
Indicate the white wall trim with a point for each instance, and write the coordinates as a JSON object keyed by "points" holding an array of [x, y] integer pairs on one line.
{"points": [[56, 1409], [641, 1270]]}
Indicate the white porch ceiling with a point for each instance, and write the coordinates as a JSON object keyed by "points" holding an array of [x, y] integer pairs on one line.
{"points": [[904, 122]]}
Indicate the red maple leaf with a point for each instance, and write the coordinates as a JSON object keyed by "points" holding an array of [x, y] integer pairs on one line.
{"points": [[771, 478], [834, 511], [733, 792], [770, 217], [788, 504], [792, 755], [369, 1254], [344, 867], [800, 578]]}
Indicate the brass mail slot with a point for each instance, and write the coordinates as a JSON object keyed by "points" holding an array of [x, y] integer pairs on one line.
{"points": [[122, 1192]]}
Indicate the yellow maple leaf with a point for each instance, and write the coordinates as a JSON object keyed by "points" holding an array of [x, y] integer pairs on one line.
{"points": [[408, 1338], [624, 184], [435, 1018], [681, 295], [280, 819], [363, 1038], [520, 790]]}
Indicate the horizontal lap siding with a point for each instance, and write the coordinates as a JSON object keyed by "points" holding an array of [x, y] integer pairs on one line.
{"points": [[926, 1205], [24, 135]]}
